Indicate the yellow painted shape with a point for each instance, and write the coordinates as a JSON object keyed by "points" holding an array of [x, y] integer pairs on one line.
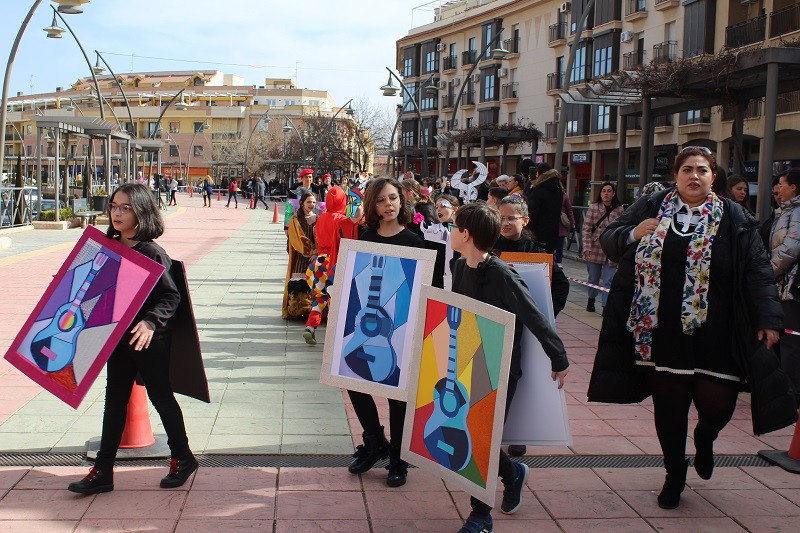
{"points": [[428, 372], [469, 339], [466, 378]]}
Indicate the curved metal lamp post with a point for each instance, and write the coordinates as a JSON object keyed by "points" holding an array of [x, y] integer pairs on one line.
{"points": [[191, 147], [288, 126], [97, 69], [391, 90], [249, 137], [158, 122], [328, 125], [497, 53]]}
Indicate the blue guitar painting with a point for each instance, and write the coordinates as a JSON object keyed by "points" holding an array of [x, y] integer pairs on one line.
{"points": [[53, 348], [446, 435], [370, 353]]}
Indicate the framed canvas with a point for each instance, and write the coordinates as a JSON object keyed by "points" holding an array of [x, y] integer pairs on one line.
{"points": [[370, 322], [82, 315], [538, 413], [457, 390], [518, 258]]}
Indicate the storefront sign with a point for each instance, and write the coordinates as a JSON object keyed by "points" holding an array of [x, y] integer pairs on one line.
{"points": [[580, 157]]}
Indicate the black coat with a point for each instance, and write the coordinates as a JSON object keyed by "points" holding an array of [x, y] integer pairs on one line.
{"points": [[615, 378], [544, 204], [499, 285]]}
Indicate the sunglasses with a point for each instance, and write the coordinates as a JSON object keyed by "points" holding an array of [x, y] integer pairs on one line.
{"points": [[701, 148], [122, 208]]}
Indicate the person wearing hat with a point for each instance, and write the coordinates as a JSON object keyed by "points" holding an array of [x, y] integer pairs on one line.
{"points": [[323, 188], [293, 197]]}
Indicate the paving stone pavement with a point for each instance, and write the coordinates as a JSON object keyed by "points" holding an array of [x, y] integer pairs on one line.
{"points": [[266, 399]]}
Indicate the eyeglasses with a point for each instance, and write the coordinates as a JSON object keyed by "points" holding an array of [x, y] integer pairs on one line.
{"points": [[122, 208], [512, 218], [701, 148]]}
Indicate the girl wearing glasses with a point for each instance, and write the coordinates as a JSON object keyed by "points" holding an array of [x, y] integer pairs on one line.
{"points": [[144, 349], [601, 213], [692, 314]]}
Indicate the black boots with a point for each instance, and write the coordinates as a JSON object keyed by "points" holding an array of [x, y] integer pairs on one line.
{"points": [[670, 496], [374, 449], [704, 454], [398, 469], [590, 305], [94, 482], [179, 472]]}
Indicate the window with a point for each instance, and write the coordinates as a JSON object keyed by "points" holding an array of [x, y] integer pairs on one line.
{"points": [[577, 119], [151, 130], [487, 39], [85, 149], [698, 27], [428, 101], [512, 117], [696, 116], [198, 151], [175, 127], [272, 102], [29, 129], [289, 102], [606, 53], [29, 149], [606, 11], [409, 133], [470, 122], [408, 105], [603, 121], [410, 55], [431, 57], [408, 67], [471, 46], [173, 150], [489, 116], [313, 103], [578, 73], [577, 11], [198, 127], [489, 85], [198, 81]]}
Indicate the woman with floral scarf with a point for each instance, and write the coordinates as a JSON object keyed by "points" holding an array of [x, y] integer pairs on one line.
{"points": [[691, 317]]}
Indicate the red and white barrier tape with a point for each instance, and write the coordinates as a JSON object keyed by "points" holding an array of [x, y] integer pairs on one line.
{"points": [[592, 285], [790, 332]]}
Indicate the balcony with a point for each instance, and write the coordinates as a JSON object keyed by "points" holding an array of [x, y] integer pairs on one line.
{"points": [[663, 5], [635, 10], [665, 52], [447, 101], [747, 32], [558, 34], [634, 59], [788, 102], [468, 98], [468, 57], [634, 123], [555, 82], [450, 62], [509, 91], [551, 130], [512, 45], [13, 137], [784, 20]]}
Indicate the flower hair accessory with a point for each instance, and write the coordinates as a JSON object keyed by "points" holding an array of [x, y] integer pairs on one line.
{"points": [[418, 218]]}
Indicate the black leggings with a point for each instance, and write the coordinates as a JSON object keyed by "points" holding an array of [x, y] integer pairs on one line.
{"points": [[153, 365], [673, 394], [367, 412]]}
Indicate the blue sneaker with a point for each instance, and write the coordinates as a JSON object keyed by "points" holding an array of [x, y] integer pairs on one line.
{"points": [[512, 495], [477, 523]]}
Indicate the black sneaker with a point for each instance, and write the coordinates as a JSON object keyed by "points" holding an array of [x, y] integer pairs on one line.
{"points": [[398, 471], [477, 523], [517, 450], [94, 482], [179, 472], [512, 495]]}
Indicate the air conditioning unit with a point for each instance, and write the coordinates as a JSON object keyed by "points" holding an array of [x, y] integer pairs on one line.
{"points": [[440, 47], [566, 7], [502, 72], [443, 84], [456, 82], [476, 78], [626, 36], [440, 123]]}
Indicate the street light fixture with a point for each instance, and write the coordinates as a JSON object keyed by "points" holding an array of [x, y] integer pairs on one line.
{"points": [[390, 89], [71, 7], [98, 68], [182, 105], [54, 31]]}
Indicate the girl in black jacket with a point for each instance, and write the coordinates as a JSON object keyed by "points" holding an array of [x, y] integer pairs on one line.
{"points": [[145, 349]]}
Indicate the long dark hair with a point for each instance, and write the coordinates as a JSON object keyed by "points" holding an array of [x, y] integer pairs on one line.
{"points": [[301, 214], [148, 217], [614, 201], [373, 220], [732, 182]]}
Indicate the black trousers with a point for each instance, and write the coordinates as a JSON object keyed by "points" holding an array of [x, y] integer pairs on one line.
{"points": [[263, 201], [153, 365], [673, 394], [367, 412], [505, 469]]}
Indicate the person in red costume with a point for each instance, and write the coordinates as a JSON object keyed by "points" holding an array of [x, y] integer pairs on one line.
{"points": [[321, 269]]}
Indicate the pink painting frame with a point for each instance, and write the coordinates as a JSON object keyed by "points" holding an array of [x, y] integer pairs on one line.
{"points": [[141, 275]]}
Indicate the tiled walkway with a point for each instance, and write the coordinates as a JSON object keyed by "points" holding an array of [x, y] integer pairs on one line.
{"points": [[266, 399]]}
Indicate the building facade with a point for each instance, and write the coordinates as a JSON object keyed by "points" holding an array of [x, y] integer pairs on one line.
{"points": [[434, 60]]}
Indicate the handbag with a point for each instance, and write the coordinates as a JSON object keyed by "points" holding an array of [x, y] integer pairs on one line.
{"points": [[565, 221]]}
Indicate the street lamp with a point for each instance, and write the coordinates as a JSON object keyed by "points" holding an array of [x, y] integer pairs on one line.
{"points": [[178, 149], [266, 119], [205, 126], [288, 126]]}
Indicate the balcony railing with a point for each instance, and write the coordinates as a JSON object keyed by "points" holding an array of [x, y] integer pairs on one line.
{"points": [[468, 98], [665, 52], [558, 31], [468, 57], [512, 45], [747, 32], [447, 101], [226, 136], [431, 66], [449, 62], [509, 90], [551, 130], [555, 81], [785, 20], [634, 59], [634, 123], [788, 102], [13, 137], [635, 6]]}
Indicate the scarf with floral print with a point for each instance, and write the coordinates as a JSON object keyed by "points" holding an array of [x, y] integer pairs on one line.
{"points": [[643, 318]]}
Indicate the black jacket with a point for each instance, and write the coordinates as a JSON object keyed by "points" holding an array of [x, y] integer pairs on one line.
{"points": [[615, 378], [544, 204], [499, 285]]}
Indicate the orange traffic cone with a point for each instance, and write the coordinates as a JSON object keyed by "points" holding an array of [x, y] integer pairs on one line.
{"points": [[789, 461], [275, 214], [138, 433], [252, 201], [219, 195]]}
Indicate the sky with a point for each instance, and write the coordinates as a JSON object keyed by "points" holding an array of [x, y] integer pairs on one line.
{"points": [[342, 46]]}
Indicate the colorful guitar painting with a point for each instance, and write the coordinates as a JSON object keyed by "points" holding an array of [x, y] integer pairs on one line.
{"points": [[53, 348], [370, 353], [446, 435]]}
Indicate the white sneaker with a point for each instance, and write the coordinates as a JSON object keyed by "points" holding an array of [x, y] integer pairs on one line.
{"points": [[308, 335]]}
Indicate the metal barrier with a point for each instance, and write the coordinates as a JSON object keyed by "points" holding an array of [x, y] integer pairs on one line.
{"points": [[16, 206]]}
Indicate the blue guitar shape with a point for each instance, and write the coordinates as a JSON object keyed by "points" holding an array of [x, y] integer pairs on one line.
{"points": [[446, 435], [53, 348], [370, 353]]}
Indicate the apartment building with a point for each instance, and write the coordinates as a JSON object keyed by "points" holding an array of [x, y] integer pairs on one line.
{"points": [[435, 60], [213, 110]]}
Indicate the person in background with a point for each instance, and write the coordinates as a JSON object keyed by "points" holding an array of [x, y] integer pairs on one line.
{"points": [[774, 202], [208, 190], [563, 230], [502, 181], [602, 212], [545, 204], [302, 249], [515, 184], [233, 190], [738, 191], [260, 193], [495, 195]]}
